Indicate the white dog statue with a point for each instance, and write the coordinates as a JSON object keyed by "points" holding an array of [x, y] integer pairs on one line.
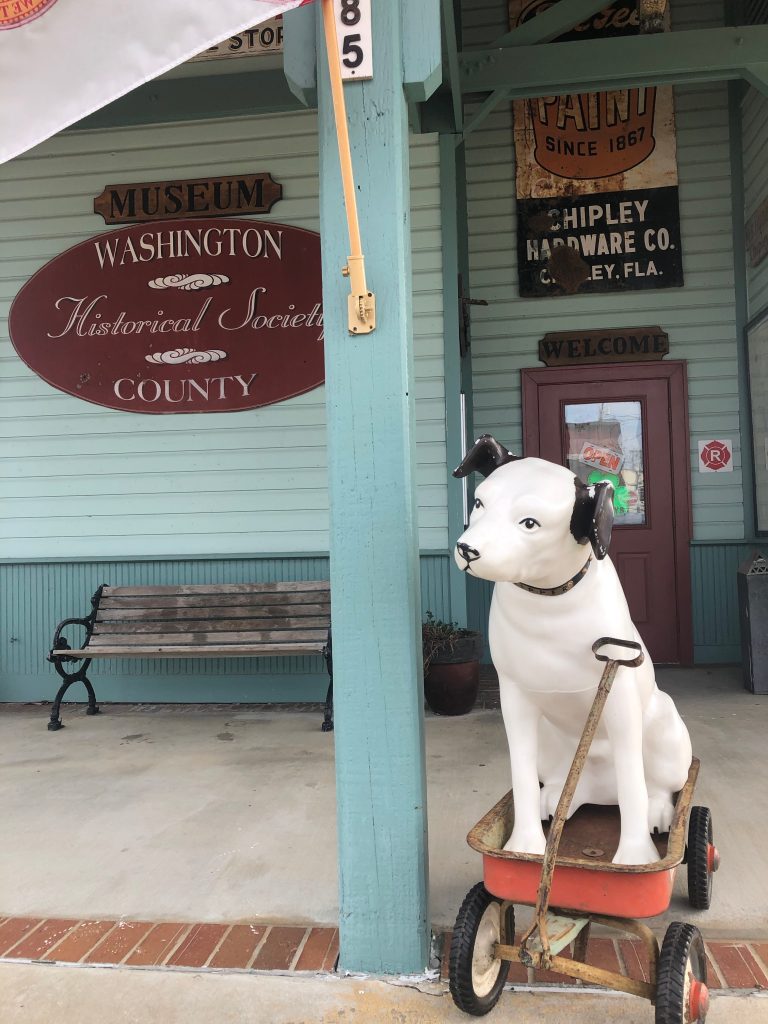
{"points": [[542, 536]]}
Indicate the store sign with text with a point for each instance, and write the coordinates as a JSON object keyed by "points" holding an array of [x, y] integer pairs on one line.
{"points": [[262, 39], [596, 180], [626, 345], [233, 195], [181, 317]]}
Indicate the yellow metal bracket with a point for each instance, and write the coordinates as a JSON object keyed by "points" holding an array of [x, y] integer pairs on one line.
{"points": [[361, 303]]}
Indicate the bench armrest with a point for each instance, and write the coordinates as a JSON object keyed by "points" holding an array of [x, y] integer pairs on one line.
{"points": [[60, 642]]}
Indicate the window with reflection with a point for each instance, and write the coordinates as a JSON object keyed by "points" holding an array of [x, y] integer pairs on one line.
{"points": [[604, 441]]}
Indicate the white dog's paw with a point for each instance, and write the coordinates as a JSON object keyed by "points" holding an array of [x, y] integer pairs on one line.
{"points": [[528, 841], [636, 851], [661, 810], [549, 797]]}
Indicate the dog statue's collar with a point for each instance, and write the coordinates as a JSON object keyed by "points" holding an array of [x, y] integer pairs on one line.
{"points": [[563, 588]]}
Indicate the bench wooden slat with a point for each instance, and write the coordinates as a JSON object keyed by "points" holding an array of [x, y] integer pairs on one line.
{"points": [[266, 611], [208, 600], [288, 586], [243, 626], [198, 651], [201, 637]]}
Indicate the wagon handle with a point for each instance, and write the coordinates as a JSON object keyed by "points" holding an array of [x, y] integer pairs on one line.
{"points": [[610, 641], [563, 805]]}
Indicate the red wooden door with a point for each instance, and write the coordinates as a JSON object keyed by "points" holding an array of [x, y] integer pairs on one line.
{"points": [[628, 424]]}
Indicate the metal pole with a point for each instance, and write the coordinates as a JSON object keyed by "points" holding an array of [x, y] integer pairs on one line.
{"points": [[362, 307]]}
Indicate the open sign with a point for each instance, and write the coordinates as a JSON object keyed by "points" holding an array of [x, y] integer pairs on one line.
{"points": [[600, 457]]}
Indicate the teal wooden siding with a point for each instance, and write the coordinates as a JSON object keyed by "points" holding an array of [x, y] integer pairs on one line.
{"points": [[700, 318], [716, 636], [35, 596], [755, 146], [79, 481]]}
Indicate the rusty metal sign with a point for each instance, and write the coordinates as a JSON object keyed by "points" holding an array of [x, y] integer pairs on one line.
{"points": [[233, 194], [631, 344], [596, 180], [193, 316]]}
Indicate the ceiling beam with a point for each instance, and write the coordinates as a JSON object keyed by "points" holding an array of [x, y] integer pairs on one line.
{"points": [[593, 65], [757, 75]]}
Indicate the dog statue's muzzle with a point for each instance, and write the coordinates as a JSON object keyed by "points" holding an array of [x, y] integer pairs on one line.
{"points": [[468, 554]]}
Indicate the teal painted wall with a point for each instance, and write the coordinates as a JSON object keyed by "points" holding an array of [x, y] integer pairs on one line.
{"points": [[35, 596], [755, 147], [701, 317], [79, 481]]}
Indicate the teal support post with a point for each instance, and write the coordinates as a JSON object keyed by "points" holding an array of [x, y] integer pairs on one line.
{"points": [[452, 32], [300, 54], [380, 773], [422, 49], [457, 369], [736, 92]]}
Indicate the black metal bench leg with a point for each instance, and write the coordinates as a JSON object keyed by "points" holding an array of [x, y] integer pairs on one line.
{"points": [[71, 677], [327, 725], [55, 722], [93, 707]]}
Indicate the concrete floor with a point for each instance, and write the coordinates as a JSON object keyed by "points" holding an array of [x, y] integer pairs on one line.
{"points": [[189, 813], [30, 994]]}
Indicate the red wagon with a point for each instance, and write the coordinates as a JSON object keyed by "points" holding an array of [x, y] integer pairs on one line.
{"points": [[575, 875]]}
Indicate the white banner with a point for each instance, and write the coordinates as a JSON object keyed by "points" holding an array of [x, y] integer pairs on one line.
{"points": [[61, 60]]}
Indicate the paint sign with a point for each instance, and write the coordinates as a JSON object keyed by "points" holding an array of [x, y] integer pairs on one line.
{"points": [[254, 42], [596, 180], [716, 456], [178, 317], [353, 30]]}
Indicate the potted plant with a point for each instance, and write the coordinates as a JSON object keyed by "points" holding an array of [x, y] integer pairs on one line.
{"points": [[451, 666]]}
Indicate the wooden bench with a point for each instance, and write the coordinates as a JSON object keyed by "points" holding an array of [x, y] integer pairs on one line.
{"points": [[225, 620]]}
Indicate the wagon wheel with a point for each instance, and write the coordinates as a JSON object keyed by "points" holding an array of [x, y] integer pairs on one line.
{"points": [[703, 858], [476, 976], [682, 996]]}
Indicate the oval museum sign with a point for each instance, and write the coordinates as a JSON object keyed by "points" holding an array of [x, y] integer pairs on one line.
{"points": [[192, 316]]}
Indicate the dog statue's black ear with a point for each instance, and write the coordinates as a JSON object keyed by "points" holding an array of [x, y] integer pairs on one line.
{"points": [[592, 518], [485, 455]]}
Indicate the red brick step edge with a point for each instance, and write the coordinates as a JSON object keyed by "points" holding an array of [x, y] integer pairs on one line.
{"points": [[251, 947], [734, 964]]}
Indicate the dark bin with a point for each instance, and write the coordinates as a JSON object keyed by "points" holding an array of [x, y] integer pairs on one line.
{"points": [[753, 617]]}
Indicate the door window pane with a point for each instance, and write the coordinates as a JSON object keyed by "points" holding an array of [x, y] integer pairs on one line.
{"points": [[604, 441]]}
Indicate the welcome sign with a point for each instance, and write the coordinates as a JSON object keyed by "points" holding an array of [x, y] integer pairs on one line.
{"points": [[187, 316], [596, 180]]}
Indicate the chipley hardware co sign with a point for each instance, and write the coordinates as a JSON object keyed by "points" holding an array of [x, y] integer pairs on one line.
{"points": [[596, 179], [187, 316]]}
